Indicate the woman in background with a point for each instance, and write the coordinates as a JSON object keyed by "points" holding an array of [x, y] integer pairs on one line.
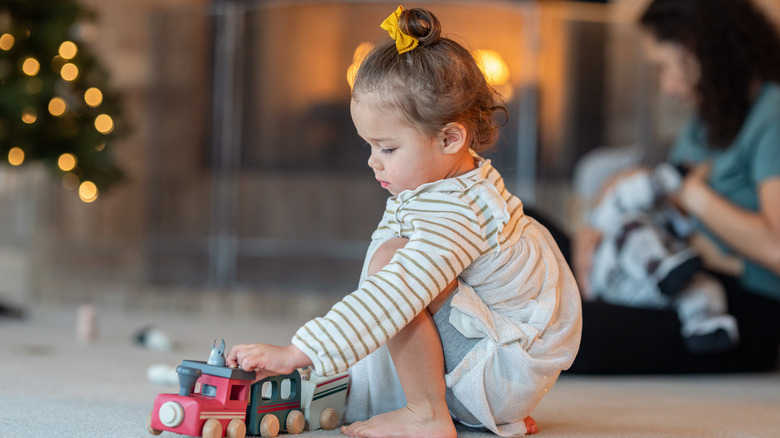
{"points": [[723, 58]]}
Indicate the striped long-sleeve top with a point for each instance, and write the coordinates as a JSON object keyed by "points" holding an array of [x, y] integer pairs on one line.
{"points": [[465, 227]]}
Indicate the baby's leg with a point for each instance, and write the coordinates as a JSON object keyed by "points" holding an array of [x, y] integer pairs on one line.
{"points": [[417, 356]]}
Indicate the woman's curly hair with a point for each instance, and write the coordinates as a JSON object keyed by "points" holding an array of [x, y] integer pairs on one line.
{"points": [[736, 46]]}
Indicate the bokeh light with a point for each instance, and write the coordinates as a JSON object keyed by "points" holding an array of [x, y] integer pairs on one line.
{"points": [[69, 71], [29, 115], [104, 124], [67, 162], [31, 66], [93, 97], [68, 50], [16, 156], [357, 58], [88, 191], [6, 41], [57, 106], [493, 67]]}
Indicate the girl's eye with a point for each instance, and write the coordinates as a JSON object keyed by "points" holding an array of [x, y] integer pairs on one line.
{"points": [[387, 150]]}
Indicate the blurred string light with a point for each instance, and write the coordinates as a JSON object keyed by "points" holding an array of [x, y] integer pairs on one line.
{"points": [[93, 97], [57, 106], [31, 66], [69, 72], [7, 41], [29, 115], [16, 156], [88, 191], [104, 124], [68, 50], [55, 95], [67, 162]]}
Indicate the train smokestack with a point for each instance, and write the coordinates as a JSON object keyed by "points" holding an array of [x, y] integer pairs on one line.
{"points": [[187, 378]]}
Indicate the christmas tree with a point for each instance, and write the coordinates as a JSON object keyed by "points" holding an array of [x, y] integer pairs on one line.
{"points": [[56, 106]]}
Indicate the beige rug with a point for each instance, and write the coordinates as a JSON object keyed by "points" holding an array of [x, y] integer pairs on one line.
{"points": [[53, 386]]}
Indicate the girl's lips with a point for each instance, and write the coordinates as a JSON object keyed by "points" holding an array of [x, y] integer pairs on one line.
{"points": [[384, 184]]}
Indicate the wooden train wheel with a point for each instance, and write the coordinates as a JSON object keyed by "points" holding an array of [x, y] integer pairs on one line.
{"points": [[329, 419], [212, 429], [149, 427], [236, 429], [269, 426], [295, 422]]}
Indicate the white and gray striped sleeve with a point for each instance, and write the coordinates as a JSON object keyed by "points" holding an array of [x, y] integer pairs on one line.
{"points": [[446, 234]]}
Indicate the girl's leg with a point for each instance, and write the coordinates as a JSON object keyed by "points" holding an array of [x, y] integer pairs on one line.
{"points": [[418, 359], [417, 355]]}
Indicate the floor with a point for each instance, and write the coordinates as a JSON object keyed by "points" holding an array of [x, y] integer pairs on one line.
{"points": [[53, 385]]}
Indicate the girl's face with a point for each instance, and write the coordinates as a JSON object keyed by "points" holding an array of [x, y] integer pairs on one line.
{"points": [[403, 158], [678, 69]]}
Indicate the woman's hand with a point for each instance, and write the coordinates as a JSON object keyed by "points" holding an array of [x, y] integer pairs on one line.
{"points": [[583, 247], [695, 192], [267, 360]]}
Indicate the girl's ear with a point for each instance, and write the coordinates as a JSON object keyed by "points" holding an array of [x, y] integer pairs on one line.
{"points": [[454, 136]]}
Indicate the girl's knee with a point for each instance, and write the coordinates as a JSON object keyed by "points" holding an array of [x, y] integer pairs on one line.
{"points": [[385, 253]]}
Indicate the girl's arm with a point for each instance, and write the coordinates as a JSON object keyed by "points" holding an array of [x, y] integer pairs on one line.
{"points": [[755, 235]]}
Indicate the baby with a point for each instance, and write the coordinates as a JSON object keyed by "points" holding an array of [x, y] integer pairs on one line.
{"points": [[645, 260]]}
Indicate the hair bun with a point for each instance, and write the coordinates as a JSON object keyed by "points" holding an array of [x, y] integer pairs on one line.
{"points": [[421, 24]]}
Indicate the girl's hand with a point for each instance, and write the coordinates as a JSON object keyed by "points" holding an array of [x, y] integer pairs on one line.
{"points": [[267, 360], [693, 194]]}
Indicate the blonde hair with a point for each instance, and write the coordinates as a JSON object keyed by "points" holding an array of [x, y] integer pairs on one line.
{"points": [[436, 83]]}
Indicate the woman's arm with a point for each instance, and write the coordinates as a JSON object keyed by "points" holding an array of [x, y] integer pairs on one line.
{"points": [[755, 235]]}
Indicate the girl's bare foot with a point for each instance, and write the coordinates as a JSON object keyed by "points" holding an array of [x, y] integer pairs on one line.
{"points": [[530, 426], [404, 422]]}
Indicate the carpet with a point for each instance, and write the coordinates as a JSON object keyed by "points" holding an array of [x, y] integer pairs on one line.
{"points": [[52, 385]]}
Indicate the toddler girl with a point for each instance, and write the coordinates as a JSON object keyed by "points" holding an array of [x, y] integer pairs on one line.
{"points": [[466, 309]]}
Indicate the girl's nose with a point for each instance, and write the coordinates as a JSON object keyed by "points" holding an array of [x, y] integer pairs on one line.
{"points": [[373, 161]]}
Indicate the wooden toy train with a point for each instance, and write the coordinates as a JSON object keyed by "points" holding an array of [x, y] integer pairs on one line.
{"points": [[216, 401]]}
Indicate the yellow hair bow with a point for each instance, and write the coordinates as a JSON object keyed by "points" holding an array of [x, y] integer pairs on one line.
{"points": [[403, 42]]}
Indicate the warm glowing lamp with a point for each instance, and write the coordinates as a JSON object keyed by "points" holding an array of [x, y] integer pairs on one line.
{"points": [[493, 67], [357, 58]]}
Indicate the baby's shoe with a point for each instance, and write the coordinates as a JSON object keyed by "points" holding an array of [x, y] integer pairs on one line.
{"points": [[675, 271], [714, 334], [702, 309]]}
